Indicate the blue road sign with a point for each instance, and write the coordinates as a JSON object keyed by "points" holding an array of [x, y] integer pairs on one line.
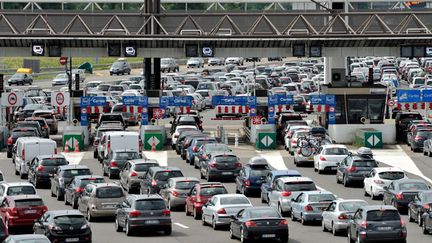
{"points": [[182, 101], [408, 95], [251, 101], [331, 118], [135, 100], [97, 101], [427, 95], [85, 101], [164, 101], [144, 118], [331, 100], [318, 99], [84, 119], [230, 100], [280, 100], [143, 101]]}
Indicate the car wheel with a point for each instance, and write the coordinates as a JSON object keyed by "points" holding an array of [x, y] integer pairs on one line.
{"points": [[111, 176], [345, 181], [208, 176], [429, 153], [424, 230], [168, 231], [201, 175], [262, 199], [89, 217], [410, 218], [359, 240], [186, 210], [195, 214], [59, 198], [73, 202], [214, 225], [231, 233], [293, 218], [65, 200], [350, 240], [118, 228], [242, 238], [36, 183], [169, 204], [128, 229], [244, 191], [203, 220], [419, 220], [52, 193], [302, 220], [333, 229], [282, 213], [323, 227]]}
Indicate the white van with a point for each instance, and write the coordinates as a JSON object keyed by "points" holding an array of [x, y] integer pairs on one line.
{"points": [[29, 147], [120, 140]]}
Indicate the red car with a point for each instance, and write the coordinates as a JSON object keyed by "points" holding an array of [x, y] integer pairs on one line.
{"points": [[200, 194], [22, 210]]}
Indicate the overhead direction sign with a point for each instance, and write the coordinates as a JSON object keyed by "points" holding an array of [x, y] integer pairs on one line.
{"points": [[280, 100]]}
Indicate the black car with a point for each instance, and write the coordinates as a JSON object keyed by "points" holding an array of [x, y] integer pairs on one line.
{"points": [[259, 223], [187, 143], [64, 226], [75, 188], [252, 175], [43, 124], [182, 136], [30, 124], [43, 167], [115, 161], [427, 222], [421, 203], [206, 149], [401, 192], [418, 137], [157, 177], [221, 166], [3, 230], [376, 223], [354, 168], [402, 120], [27, 111], [17, 133], [63, 176], [20, 79]]}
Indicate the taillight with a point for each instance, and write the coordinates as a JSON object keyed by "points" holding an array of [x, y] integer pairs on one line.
{"points": [[134, 213], [250, 224], [204, 156], [221, 211], [402, 222], [23, 154], [133, 174], [379, 182], [283, 222], [238, 165], [286, 193], [399, 196], [322, 158], [10, 141], [247, 183], [44, 209], [289, 134], [294, 141], [213, 165], [113, 164], [195, 149], [175, 193], [79, 190], [342, 216], [154, 183], [109, 146], [166, 212], [176, 135], [352, 169], [419, 138], [46, 127], [426, 206], [96, 143], [40, 168], [363, 224], [13, 212], [308, 208], [55, 151]]}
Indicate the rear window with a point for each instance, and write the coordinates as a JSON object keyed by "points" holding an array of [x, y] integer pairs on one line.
{"points": [[217, 148], [351, 206], [201, 142], [423, 133], [382, 215], [54, 162], [211, 191], [109, 192], [28, 203], [76, 172], [154, 204], [24, 134], [185, 185], [21, 190], [321, 198], [126, 156], [364, 163], [144, 167], [165, 175], [259, 172], [226, 159], [300, 186], [233, 200], [70, 219], [413, 186], [391, 175], [85, 182], [336, 151], [264, 213]]}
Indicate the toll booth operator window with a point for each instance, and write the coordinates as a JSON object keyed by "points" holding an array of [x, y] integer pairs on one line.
{"points": [[370, 108]]}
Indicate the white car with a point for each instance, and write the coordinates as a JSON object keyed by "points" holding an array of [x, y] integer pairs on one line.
{"points": [[195, 62], [293, 143], [177, 131], [328, 156], [234, 60], [290, 133], [380, 177], [16, 188]]}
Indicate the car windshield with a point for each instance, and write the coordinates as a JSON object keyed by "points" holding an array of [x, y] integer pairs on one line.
{"points": [[70, 219], [185, 185], [233, 200], [1, 177], [144, 167], [28, 203], [300, 186], [109, 192], [211, 191], [264, 213], [21, 190], [18, 75], [54, 161], [33, 241], [85, 182], [115, 88], [382, 215], [34, 93], [61, 75], [117, 64], [103, 87], [76, 172], [351, 206], [413, 186], [391, 175], [152, 204], [321, 197], [44, 115], [364, 163], [205, 141], [126, 156], [165, 175], [336, 151], [226, 159], [18, 134]]}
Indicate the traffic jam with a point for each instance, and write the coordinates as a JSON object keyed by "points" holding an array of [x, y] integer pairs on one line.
{"points": [[167, 173]]}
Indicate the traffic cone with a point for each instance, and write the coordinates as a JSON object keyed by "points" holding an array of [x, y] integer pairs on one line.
{"points": [[66, 148], [76, 146]]}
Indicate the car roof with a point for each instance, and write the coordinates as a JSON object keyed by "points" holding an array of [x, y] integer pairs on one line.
{"points": [[377, 207], [70, 167], [49, 156], [82, 177], [384, 169], [230, 195], [144, 196], [28, 237], [56, 213], [144, 161], [333, 146], [163, 168], [284, 172], [27, 196], [407, 180], [291, 179], [9, 184], [316, 192], [105, 184], [218, 153], [176, 179]]}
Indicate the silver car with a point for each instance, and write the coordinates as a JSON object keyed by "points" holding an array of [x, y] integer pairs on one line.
{"points": [[176, 190], [219, 209], [309, 206], [60, 79], [335, 218], [132, 171]]}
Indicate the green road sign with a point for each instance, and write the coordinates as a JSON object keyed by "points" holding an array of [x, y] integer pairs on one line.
{"points": [[153, 141], [266, 140], [71, 139], [373, 139]]}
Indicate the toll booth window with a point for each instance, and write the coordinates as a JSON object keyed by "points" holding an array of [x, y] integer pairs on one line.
{"points": [[356, 110], [376, 109], [369, 108]]}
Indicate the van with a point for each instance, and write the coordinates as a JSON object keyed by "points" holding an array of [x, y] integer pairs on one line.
{"points": [[120, 140], [27, 148]]}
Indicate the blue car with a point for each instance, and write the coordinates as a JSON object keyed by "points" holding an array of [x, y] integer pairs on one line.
{"points": [[252, 176], [271, 178], [193, 149]]}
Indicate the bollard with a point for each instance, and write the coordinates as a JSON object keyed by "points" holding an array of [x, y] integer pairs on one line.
{"points": [[226, 138], [236, 140]]}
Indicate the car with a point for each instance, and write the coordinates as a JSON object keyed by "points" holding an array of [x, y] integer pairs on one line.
{"points": [[132, 172], [63, 176], [17, 133], [402, 119], [16, 188], [21, 210], [100, 200], [180, 129], [419, 206], [427, 222], [259, 223], [169, 65], [27, 111], [219, 209], [234, 60], [50, 119], [43, 124], [221, 166], [427, 146], [372, 223], [175, 191], [305, 156], [400, 193], [309, 205], [75, 188], [215, 61], [60, 79], [98, 135], [43, 167], [120, 67], [419, 136], [20, 79], [195, 62], [157, 177], [380, 177], [26, 238], [199, 195], [335, 217], [188, 141], [115, 161], [252, 176], [143, 212], [208, 148], [110, 117], [193, 148], [271, 177], [293, 142], [328, 156], [4, 232], [182, 136], [63, 225], [287, 188], [354, 168]]}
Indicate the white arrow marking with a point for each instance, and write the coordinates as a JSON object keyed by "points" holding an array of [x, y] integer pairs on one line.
{"points": [[153, 140], [373, 140], [267, 140]]}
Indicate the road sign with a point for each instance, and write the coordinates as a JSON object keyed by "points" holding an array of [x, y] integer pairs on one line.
{"points": [[318, 99], [373, 139], [12, 99], [271, 109], [331, 100], [60, 99], [280, 100], [256, 120], [391, 103], [153, 141], [158, 113], [427, 95], [93, 101], [63, 60], [331, 109], [135, 100], [266, 141], [230, 100], [408, 95]]}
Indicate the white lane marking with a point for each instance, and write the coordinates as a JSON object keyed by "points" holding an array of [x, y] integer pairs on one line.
{"points": [[160, 156], [399, 158], [181, 226], [74, 158]]}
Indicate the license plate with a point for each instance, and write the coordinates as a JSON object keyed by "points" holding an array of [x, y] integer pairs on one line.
{"points": [[108, 206], [333, 168], [226, 173], [268, 236], [72, 239], [310, 159], [152, 222], [385, 228], [29, 211]]}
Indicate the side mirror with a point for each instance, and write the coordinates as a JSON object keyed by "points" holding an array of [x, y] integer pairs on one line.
{"points": [[233, 217], [338, 163], [293, 200], [350, 153], [170, 122], [385, 188]]}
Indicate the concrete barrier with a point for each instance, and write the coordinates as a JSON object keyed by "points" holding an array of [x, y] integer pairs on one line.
{"points": [[345, 133]]}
